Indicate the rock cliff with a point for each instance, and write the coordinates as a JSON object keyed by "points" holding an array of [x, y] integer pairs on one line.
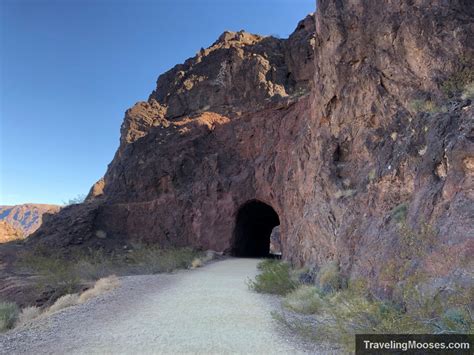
{"points": [[357, 131]]}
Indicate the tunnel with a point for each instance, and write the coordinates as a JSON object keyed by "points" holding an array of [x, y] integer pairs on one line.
{"points": [[253, 227]]}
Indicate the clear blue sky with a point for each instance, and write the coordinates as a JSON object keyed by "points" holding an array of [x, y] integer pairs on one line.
{"points": [[70, 68]]}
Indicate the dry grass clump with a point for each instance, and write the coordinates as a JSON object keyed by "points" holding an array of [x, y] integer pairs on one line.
{"points": [[101, 286], [27, 315], [63, 302], [208, 256], [8, 315], [197, 262]]}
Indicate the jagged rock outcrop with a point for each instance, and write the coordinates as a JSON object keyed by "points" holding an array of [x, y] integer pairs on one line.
{"points": [[26, 218], [357, 130]]}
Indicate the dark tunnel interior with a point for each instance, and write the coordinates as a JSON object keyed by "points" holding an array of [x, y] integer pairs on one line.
{"points": [[253, 227]]}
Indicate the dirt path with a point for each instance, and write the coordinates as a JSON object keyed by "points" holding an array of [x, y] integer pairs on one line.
{"points": [[203, 311]]}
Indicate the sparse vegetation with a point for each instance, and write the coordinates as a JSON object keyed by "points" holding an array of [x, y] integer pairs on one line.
{"points": [[8, 315], [75, 200], [338, 316], [428, 106], [154, 260], [56, 275], [334, 310], [60, 275]]}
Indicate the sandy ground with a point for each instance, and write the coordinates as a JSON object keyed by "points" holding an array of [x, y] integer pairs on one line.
{"points": [[204, 311]]}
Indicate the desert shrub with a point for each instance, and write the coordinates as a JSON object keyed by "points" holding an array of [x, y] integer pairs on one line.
{"points": [[8, 315], [330, 278], [28, 314], [100, 287], [305, 299], [274, 278], [303, 275]]}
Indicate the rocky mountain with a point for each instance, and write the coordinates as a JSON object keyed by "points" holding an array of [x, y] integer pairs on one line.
{"points": [[25, 219], [9, 233], [355, 135]]}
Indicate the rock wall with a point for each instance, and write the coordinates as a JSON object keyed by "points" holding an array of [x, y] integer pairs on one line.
{"points": [[357, 130]]}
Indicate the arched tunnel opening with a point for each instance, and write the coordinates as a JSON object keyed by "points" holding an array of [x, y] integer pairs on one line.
{"points": [[253, 228]]}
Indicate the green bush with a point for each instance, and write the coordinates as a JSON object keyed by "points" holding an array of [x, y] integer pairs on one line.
{"points": [[305, 299], [267, 264], [8, 315], [274, 278]]}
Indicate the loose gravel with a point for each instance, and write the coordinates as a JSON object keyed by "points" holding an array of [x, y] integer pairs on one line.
{"points": [[204, 311]]}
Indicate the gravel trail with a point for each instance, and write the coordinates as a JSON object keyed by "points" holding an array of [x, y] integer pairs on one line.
{"points": [[205, 311]]}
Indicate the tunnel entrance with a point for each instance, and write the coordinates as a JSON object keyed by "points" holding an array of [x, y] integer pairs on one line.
{"points": [[253, 227]]}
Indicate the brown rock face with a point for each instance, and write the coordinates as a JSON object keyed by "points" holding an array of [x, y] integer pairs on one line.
{"points": [[354, 132], [27, 218]]}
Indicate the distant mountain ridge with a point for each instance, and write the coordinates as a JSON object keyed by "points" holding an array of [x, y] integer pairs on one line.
{"points": [[26, 218]]}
